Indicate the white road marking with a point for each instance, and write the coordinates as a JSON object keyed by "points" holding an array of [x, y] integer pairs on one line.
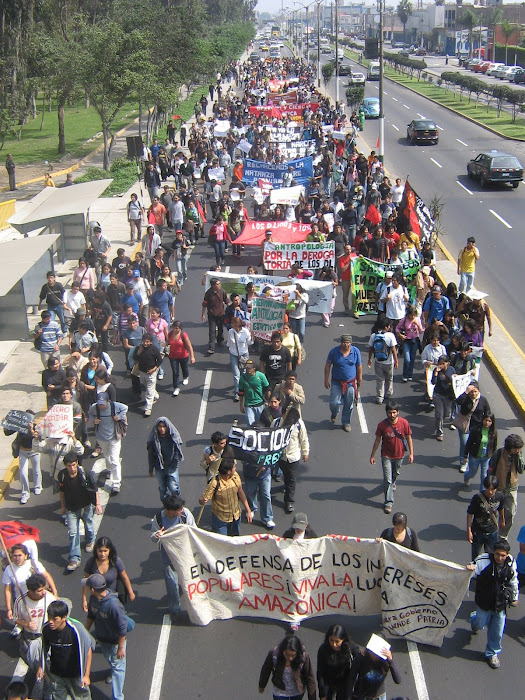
{"points": [[395, 127], [376, 88], [384, 92], [362, 418], [417, 670], [440, 127], [395, 99], [462, 142], [420, 115], [160, 659], [436, 163], [465, 188], [204, 402], [406, 106], [227, 269], [499, 218]]}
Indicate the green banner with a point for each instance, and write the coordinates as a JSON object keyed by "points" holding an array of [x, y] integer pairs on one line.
{"points": [[367, 274]]}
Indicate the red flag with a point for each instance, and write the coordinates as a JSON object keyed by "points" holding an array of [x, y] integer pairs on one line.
{"points": [[238, 170], [373, 215], [377, 144], [201, 212], [408, 205], [14, 532]]}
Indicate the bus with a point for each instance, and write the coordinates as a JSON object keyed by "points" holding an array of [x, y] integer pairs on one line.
{"points": [[276, 30]]}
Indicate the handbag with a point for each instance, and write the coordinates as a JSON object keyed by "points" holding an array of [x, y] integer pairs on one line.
{"points": [[37, 342], [121, 591], [242, 360]]}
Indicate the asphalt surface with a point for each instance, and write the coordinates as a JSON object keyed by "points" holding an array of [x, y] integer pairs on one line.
{"points": [[338, 489]]}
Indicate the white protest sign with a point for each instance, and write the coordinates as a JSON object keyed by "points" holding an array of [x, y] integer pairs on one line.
{"points": [[339, 135], [309, 256], [460, 382], [287, 195], [221, 128], [244, 146], [282, 579], [216, 174], [235, 195], [428, 375], [58, 421]]}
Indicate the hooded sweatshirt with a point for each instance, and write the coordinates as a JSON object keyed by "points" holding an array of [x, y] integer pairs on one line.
{"points": [[164, 454]]}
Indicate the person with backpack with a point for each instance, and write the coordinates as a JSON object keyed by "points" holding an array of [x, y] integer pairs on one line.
{"points": [[164, 454], [382, 347], [78, 494], [173, 513], [400, 533], [290, 669], [395, 435], [110, 422], [225, 491]]}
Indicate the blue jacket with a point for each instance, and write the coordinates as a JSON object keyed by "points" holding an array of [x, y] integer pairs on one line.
{"points": [[109, 616]]}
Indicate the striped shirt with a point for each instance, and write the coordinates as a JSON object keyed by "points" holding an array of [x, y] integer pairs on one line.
{"points": [[225, 501], [51, 334]]}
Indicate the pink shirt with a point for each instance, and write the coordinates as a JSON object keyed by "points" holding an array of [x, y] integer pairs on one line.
{"points": [[85, 276], [159, 329]]}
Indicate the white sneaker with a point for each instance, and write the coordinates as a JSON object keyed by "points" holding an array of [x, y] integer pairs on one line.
{"points": [[270, 524], [463, 468], [24, 500], [186, 381], [176, 392]]}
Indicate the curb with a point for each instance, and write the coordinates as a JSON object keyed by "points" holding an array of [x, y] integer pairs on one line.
{"points": [[8, 479]]}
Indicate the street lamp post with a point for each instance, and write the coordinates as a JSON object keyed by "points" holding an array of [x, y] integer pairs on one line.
{"points": [[318, 49], [381, 77], [336, 57]]}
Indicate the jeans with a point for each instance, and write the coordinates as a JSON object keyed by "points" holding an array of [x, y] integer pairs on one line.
{"points": [[176, 365], [337, 398], [168, 481], [327, 184], [220, 248], [111, 451], [391, 469], [253, 413], [150, 381], [409, 357], [73, 518], [483, 541], [232, 529], [289, 470], [384, 379], [495, 623], [24, 458], [260, 489], [236, 370], [298, 326], [463, 437], [473, 465], [118, 668], [172, 586], [68, 688], [466, 280], [510, 504], [58, 311], [215, 330]]}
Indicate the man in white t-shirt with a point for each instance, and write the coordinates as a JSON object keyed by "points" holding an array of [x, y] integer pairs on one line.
{"points": [[30, 613], [397, 192], [395, 297], [73, 300], [382, 347]]}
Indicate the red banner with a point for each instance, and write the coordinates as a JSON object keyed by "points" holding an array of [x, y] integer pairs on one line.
{"points": [[14, 532], [288, 98], [288, 110], [283, 232]]}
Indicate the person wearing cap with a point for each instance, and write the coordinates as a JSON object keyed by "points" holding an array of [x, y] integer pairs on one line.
{"points": [[47, 337], [475, 309], [435, 306], [104, 417], [467, 259], [344, 365], [101, 247], [78, 494], [107, 613], [300, 529]]}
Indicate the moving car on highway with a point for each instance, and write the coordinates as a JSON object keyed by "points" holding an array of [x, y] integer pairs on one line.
{"points": [[356, 79], [495, 166], [422, 131], [371, 107]]}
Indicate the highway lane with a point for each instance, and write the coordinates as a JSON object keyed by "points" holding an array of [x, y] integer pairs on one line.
{"points": [[337, 488], [493, 215]]}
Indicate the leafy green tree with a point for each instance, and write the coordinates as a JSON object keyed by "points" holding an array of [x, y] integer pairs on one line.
{"points": [[508, 29], [404, 10], [327, 70], [468, 20], [355, 94]]}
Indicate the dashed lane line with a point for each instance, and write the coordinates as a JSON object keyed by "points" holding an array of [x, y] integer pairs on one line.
{"points": [[436, 163], [362, 417], [463, 186], [417, 670], [395, 127], [500, 218], [160, 659], [462, 142], [204, 403]]}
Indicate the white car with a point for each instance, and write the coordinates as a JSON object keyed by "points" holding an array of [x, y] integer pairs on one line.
{"points": [[510, 73], [493, 68], [500, 72], [356, 79]]}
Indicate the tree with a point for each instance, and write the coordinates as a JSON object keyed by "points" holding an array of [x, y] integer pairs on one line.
{"points": [[468, 21], [327, 70], [494, 19], [507, 28], [355, 94], [404, 10]]}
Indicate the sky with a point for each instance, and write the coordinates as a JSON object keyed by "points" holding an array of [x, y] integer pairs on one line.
{"points": [[273, 6]]}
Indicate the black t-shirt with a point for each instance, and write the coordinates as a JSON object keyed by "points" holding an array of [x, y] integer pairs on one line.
{"points": [[101, 313], [120, 265], [275, 362], [65, 654], [482, 521], [52, 293], [76, 495]]}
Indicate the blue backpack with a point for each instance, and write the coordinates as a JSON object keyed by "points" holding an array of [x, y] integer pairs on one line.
{"points": [[380, 347]]}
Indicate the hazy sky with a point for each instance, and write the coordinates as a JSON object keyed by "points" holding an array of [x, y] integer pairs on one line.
{"points": [[273, 6]]}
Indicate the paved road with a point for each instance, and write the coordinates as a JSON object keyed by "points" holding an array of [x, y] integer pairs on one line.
{"points": [[339, 491]]}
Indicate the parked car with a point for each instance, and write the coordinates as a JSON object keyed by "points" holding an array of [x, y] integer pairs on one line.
{"points": [[495, 166], [371, 107], [421, 52], [511, 72], [356, 79], [472, 63], [500, 72], [405, 52], [519, 76], [493, 68], [482, 67], [326, 50], [422, 131]]}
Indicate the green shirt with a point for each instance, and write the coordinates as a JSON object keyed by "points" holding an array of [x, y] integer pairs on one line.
{"points": [[252, 388]]}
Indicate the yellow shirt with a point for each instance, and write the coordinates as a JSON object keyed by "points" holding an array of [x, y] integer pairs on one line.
{"points": [[467, 261], [225, 500]]}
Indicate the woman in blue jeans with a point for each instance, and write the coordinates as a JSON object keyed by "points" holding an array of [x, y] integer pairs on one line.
{"points": [[164, 454], [408, 331], [218, 237], [481, 443]]}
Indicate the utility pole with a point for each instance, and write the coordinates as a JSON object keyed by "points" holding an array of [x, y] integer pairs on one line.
{"points": [[318, 49], [336, 57], [381, 149]]}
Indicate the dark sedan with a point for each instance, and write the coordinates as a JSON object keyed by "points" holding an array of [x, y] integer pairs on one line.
{"points": [[422, 131], [495, 166]]}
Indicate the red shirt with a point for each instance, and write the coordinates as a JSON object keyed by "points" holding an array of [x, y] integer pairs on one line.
{"points": [[391, 444], [345, 274], [392, 239], [178, 350]]}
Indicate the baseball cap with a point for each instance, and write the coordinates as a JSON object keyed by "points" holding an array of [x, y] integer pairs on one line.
{"points": [[425, 270], [136, 273], [102, 398], [374, 186], [268, 232], [300, 521], [436, 288], [96, 581], [130, 285], [389, 273]]}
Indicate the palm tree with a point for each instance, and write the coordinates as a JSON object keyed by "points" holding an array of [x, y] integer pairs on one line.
{"points": [[507, 28], [494, 19], [404, 10], [468, 21]]}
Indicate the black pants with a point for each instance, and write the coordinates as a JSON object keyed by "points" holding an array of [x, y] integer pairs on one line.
{"points": [[290, 479], [103, 337], [215, 330]]}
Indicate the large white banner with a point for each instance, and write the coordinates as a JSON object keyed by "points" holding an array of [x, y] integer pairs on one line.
{"points": [[287, 195], [310, 256], [266, 576]]}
